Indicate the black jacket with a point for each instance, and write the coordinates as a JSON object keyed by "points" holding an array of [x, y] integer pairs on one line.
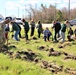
{"points": [[57, 27]]}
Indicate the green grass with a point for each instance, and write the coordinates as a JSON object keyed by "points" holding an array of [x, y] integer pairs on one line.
{"points": [[10, 66]]}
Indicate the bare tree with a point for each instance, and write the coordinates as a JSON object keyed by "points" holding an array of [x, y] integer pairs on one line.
{"points": [[29, 14], [48, 14], [65, 13], [73, 13]]}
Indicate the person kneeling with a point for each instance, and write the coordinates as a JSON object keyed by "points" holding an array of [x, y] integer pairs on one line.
{"points": [[47, 34]]}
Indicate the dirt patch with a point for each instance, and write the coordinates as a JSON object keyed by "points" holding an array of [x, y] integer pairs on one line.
{"points": [[69, 56], [51, 66], [64, 44], [34, 38], [43, 48], [52, 52], [23, 55], [70, 71]]}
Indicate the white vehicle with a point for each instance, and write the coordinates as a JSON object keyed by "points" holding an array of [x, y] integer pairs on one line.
{"points": [[72, 22], [18, 20]]}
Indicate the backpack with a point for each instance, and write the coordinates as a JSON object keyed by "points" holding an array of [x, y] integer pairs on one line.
{"points": [[49, 34]]}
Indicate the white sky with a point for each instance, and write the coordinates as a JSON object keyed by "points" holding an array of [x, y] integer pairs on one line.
{"points": [[17, 7]]}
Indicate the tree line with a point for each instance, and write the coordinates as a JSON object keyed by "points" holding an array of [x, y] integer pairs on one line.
{"points": [[48, 14]]}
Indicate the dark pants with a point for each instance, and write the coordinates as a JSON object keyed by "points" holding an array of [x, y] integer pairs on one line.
{"points": [[39, 33], [32, 31], [19, 34], [55, 38], [26, 34], [46, 38]]}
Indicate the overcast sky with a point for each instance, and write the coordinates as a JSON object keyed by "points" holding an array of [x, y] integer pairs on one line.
{"points": [[16, 7]]}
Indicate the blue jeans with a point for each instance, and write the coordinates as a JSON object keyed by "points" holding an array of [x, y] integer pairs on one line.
{"points": [[46, 38], [16, 35]]}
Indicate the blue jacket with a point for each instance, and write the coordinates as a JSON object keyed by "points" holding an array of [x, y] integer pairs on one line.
{"points": [[47, 33]]}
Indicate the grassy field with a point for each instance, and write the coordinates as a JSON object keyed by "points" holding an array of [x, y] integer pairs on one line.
{"points": [[11, 66]]}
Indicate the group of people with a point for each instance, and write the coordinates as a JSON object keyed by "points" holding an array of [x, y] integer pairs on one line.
{"points": [[16, 29], [59, 30]]}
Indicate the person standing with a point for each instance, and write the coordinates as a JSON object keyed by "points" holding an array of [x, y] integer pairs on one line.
{"points": [[32, 23], [57, 27], [26, 28], [7, 29], [19, 29], [63, 30], [16, 30], [40, 29]]}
